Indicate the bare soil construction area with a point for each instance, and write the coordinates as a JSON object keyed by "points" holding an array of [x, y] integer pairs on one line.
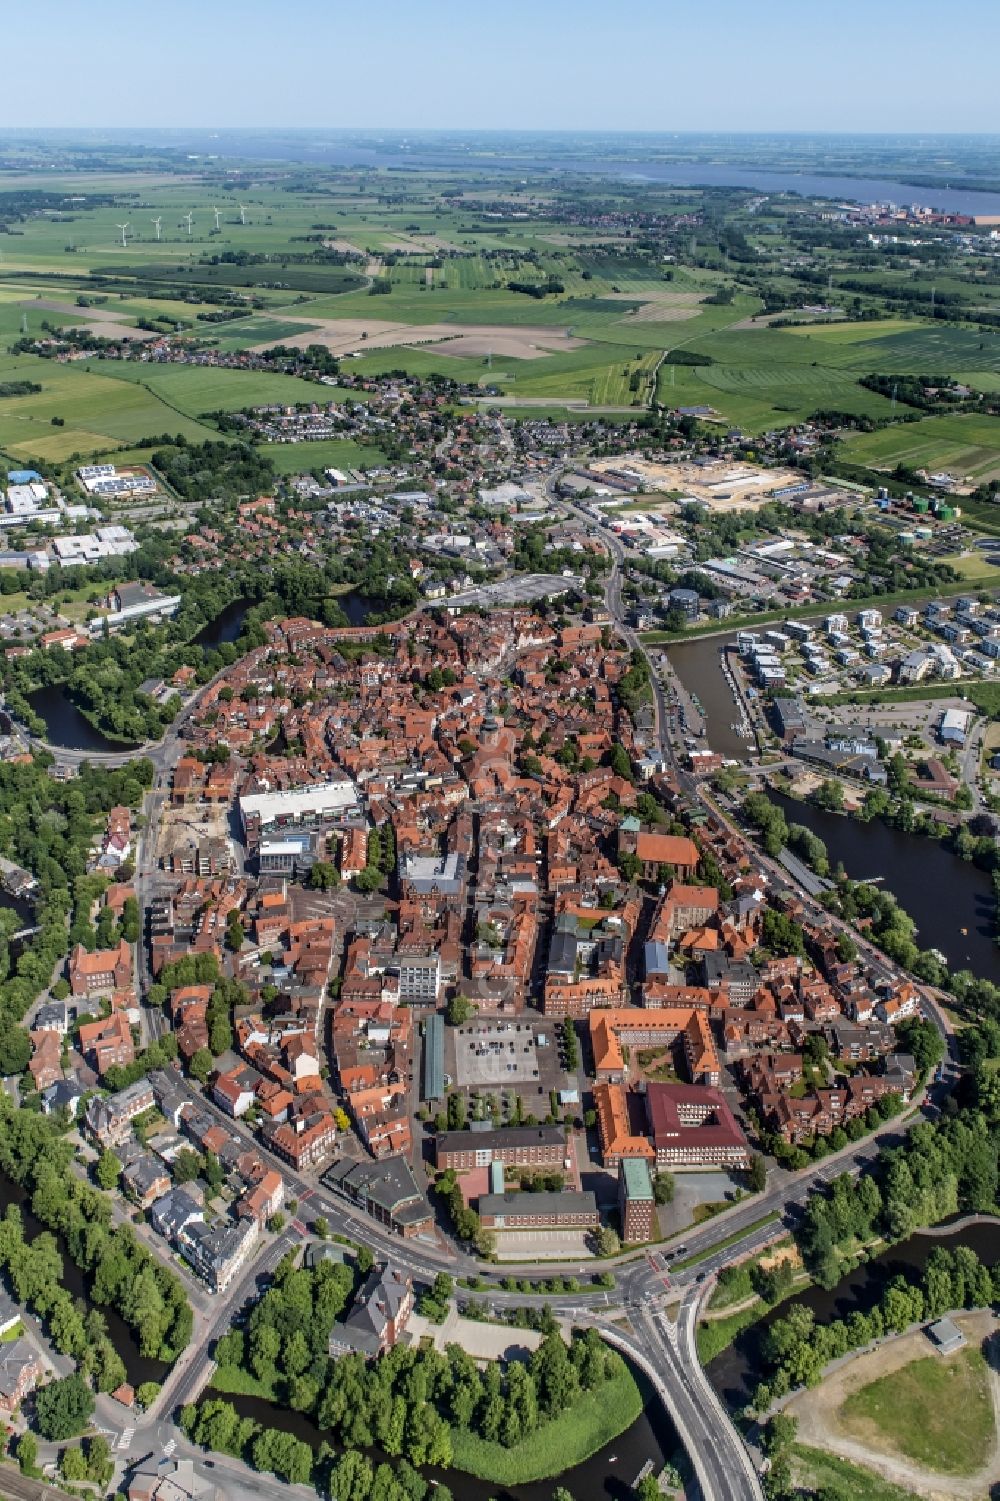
{"points": [[471, 340]]}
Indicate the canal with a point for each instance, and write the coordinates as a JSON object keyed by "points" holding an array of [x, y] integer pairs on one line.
{"points": [[698, 664], [138, 1367], [66, 727], [608, 1474], [737, 1371], [224, 627], [227, 625], [950, 900]]}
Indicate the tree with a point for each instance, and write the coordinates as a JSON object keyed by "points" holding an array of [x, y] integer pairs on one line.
{"points": [[201, 1065], [146, 1394], [663, 1188], [757, 1173], [621, 764], [15, 1050], [27, 1452], [108, 1170], [324, 877], [459, 1010], [234, 931], [64, 1407]]}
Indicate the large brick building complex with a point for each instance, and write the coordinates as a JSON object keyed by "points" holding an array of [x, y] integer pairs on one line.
{"points": [[514, 1146]]}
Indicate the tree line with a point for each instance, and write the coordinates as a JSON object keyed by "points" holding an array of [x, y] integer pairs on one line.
{"points": [[408, 1401], [796, 1348], [121, 1273]]}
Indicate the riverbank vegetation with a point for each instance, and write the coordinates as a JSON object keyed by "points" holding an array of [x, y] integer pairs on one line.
{"points": [[835, 1479], [121, 1274], [529, 1420], [796, 1349], [752, 1288]]}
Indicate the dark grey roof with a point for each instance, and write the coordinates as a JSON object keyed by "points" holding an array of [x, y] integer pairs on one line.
{"points": [[376, 1304], [541, 1205], [142, 1174], [390, 1184], [170, 1214], [14, 1357], [502, 1136], [562, 953]]}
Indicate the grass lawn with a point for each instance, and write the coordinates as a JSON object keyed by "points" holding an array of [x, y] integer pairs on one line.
{"points": [[328, 453], [974, 566], [985, 695], [936, 1412], [12, 1334], [234, 1380], [816, 1471], [593, 1421]]}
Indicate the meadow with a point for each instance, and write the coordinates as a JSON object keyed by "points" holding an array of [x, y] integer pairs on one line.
{"points": [[965, 445], [629, 309]]}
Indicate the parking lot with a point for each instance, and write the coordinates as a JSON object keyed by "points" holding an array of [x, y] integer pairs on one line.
{"points": [[542, 1245]]}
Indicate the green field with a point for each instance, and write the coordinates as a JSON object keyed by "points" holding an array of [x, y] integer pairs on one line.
{"points": [[334, 453], [99, 413], [936, 1412], [618, 294], [594, 1420], [965, 446], [193, 391]]}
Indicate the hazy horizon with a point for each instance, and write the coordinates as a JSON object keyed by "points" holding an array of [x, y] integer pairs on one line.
{"points": [[570, 66]]}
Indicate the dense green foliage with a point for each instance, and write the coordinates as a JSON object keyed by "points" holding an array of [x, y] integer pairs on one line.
{"points": [[47, 826], [121, 1273], [797, 1348], [939, 1170], [408, 1401]]}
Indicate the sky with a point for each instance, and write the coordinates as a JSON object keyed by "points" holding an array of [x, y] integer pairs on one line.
{"points": [[597, 65]]}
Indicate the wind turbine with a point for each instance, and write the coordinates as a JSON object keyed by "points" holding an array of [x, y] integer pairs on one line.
{"points": [[215, 211], [243, 213], [123, 228], [189, 220], [157, 222]]}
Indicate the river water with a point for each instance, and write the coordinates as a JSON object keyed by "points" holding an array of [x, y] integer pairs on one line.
{"points": [[698, 664], [138, 1367], [66, 726], [736, 1372], [942, 893], [630, 158], [608, 1474], [225, 627]]}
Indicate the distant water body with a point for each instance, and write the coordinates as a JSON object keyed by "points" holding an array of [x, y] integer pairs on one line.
{"points": [[334, 151]]}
